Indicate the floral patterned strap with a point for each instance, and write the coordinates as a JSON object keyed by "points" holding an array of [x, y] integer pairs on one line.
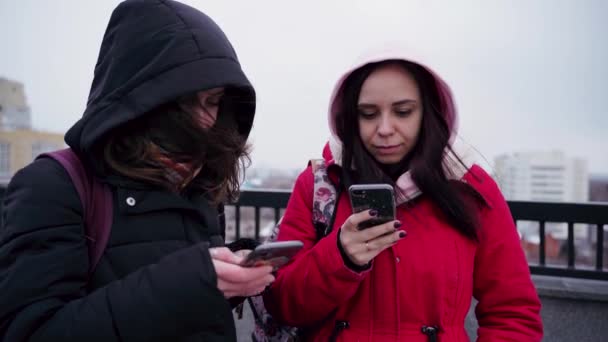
{"points": [[324, 197]]}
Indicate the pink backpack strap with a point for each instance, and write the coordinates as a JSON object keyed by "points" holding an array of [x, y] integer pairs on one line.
{"points": [[96, 200]]}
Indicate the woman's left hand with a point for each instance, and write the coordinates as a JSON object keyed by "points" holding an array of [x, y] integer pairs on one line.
{"points": [[362, 246], [237, 281]]}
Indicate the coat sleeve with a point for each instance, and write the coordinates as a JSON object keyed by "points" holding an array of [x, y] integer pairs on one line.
{"points": [[509, 307], [43, 275], [316, 281]]}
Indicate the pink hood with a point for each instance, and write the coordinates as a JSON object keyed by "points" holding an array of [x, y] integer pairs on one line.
{"points": [[333, 151]]}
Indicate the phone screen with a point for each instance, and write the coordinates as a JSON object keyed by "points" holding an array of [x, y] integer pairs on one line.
{"points": [[275, 254], [373, 196]]}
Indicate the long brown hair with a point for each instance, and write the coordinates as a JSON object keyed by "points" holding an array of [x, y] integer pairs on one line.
{"points": [[425, 161], [221, 151]]}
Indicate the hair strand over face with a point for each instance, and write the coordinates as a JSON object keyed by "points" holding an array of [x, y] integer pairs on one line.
{"points": [[221, 151]]}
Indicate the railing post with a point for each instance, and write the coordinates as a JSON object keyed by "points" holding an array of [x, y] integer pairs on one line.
{"points": [[571, 255], [277, 215], [257, 223], [541, 246], [599, 248], [237, 222]]}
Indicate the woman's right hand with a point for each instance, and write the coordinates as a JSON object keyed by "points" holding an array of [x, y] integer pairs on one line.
{"points": [[236, 281], [361, 246]]}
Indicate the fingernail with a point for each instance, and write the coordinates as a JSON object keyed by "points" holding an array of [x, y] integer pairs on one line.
{"points": [[402, 234], [397, 224], [373, 212]]}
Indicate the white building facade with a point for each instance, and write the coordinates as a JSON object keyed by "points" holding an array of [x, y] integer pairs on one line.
{"points": [[543, 176]]}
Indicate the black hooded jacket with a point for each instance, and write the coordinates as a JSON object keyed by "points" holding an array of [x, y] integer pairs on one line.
{"points": [[155, 281]]}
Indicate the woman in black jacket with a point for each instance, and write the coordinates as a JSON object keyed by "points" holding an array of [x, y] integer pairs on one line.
{"points": [[164, 129]]}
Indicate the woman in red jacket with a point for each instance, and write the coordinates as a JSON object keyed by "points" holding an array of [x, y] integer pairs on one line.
{"points": [[393, 121]]}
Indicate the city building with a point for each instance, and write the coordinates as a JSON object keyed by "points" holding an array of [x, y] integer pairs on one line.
{"points": [[598, 191], [547, 177], [19, 147], [19, 143], [14, 111], [542, 176]]}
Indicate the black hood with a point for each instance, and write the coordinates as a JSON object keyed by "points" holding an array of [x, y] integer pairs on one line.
{"points": [[154, 51]]}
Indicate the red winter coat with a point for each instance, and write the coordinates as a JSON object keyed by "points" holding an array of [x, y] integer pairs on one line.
{"points": [[426, 279]]}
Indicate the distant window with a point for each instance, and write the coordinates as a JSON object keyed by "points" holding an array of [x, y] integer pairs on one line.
{"points": [[547, 192], [5, 158], [547, 168], [546, 184], [544, 176]]}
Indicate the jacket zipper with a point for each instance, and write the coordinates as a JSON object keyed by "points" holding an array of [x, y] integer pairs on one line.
{"points": [[430, 332], [340, 325]]}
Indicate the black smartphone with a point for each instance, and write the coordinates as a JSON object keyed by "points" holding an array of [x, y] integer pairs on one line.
{"points": [[373, 196], [275, 254]]}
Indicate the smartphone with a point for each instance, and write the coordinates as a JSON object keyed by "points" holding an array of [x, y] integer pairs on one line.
{"points": [[275, 254], [373, 196]]}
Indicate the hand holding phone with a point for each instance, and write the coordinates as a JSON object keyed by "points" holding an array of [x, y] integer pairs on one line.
{"points": [[234, 280], [275, 254], [380, 197], [372, 227], [360, 246]]}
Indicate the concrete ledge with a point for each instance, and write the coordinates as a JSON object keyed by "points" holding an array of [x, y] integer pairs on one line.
{"points": [[574, 289]]}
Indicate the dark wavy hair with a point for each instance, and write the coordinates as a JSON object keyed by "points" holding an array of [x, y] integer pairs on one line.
{"points": [[425, 161], [221, 150]]}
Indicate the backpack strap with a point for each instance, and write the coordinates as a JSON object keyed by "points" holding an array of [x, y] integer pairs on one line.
{"points": [[96, 200], [324, 200], [325, 197]]}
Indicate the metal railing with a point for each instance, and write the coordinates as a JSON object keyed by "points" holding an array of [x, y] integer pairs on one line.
{"points": [[275, 199], [570, 214], [540, 212]]}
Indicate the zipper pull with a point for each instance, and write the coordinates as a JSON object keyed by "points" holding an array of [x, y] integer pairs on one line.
{"points": [[431, 332], [340, 325]]}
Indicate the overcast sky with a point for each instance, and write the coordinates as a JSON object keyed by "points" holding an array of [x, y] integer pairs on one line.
{"points": [[527, 75]]}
